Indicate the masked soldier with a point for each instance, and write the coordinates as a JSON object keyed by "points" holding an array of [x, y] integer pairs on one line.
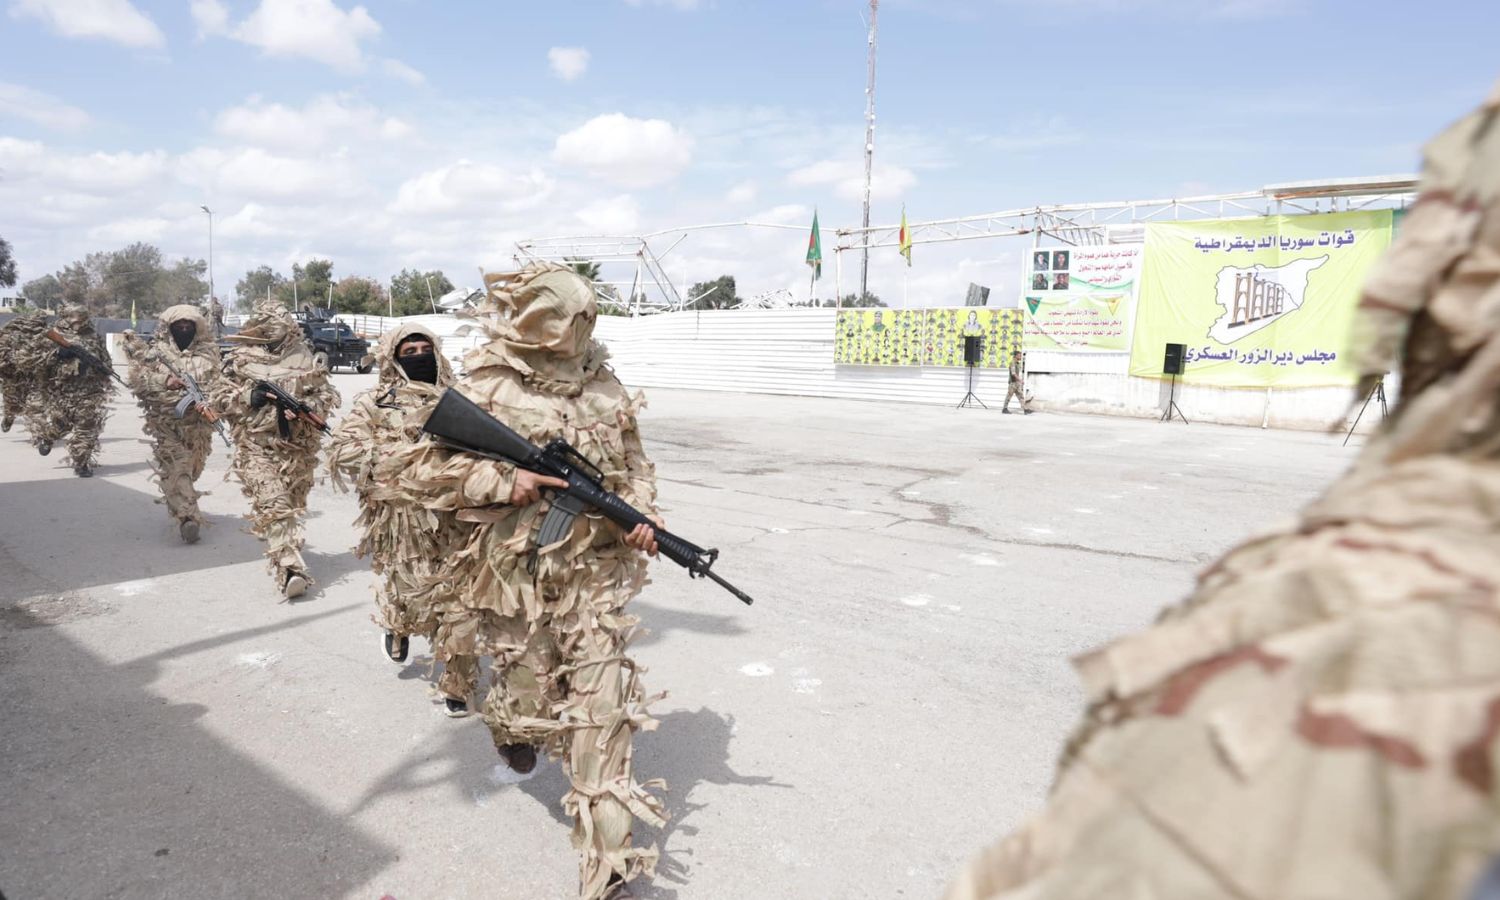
{"points": [[553, 617], [1321, 718], [70, 397], [182, 347], [408, 544], [16, 380], [275, 447]]}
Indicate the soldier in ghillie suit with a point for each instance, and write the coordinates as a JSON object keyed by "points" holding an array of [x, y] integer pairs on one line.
{"points": [[16, 380], [553, 617], [69, 398], [1321, 718], [183, 345], [275, 449], [408, 544]]}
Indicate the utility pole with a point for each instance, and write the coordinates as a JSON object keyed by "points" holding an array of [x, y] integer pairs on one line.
{"points": [[211, 296], [864, 266]]}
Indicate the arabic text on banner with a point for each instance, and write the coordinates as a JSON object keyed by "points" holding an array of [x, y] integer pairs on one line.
{"points": [[1258, 302], [1081, 298]]}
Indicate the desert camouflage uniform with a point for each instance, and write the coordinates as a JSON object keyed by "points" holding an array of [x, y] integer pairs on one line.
{"points": [[554, 620], [276, 473], [407, 543], [1321, 718], [179, 447], [15, 380], [68, 397], [1015, 385]]}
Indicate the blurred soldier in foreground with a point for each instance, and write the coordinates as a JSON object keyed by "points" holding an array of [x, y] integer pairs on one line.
{"points": [[553, 617], [16, 380], [179, 358], [276, 399], [70, 394], [1320, 719], [407, 543]]}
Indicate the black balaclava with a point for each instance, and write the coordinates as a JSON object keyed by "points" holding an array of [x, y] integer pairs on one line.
{"points": [[183, 332], [418, 366]]}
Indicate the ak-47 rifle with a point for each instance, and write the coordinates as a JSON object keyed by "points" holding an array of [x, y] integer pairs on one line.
{"points": [[459, 423], [193, 398], [88, 359], [286, 403]]}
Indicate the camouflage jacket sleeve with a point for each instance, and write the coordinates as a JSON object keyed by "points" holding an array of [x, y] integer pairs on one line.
{"points": [[640, 489], [354, 449], [147, 379]]}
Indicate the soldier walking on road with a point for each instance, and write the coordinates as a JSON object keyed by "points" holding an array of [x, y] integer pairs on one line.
{"points": [[1016, 384], [553, 617], [182, 346], [275, 448], [70, 396], [408, 544], [16, 379]]}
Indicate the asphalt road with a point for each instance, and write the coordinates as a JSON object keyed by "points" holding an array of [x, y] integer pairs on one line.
{"points": [[894, 700]]}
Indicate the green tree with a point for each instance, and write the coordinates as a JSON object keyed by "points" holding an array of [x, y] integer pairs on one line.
{"points": [[7, 264], [413, 292], [258, 283], [309, 285], [852, 301], [77, 284], [185, 281], [43, 293], [357, 294], [717, 294], [588, 268]]}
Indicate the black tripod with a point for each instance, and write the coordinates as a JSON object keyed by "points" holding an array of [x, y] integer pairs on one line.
{"points": [[1172, 404], [1377, 392], [969, 398]]}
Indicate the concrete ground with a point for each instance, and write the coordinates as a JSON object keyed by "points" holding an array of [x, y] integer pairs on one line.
{"points": [[893, 701]]}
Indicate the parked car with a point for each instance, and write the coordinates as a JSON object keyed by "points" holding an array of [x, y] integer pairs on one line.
{"points": [[334, 343]]}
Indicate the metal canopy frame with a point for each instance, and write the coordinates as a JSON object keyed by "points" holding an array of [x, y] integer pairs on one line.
{"points": [[651, 289]]}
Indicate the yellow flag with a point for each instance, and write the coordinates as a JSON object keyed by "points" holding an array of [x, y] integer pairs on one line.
{"points": [[905, 237]]}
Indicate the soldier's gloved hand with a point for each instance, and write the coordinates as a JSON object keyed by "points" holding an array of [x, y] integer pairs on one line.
{"points": [[528, 485], [258, 396]]}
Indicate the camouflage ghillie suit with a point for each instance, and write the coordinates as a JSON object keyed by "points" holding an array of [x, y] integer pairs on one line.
{"points": [[68, 398], [406, 542], [1322, 717], [179, 447], [275, 470], [553, 618], [15, 380]]}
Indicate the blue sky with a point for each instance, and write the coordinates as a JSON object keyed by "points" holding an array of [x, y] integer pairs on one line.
{"points": [[437, 134]]}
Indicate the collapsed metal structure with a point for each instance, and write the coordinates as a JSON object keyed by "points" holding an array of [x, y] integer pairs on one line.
{"points": [[650, 288]]}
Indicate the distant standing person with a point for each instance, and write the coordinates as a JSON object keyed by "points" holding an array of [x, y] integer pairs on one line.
{"points": [[1016, 386], [275, 448]]}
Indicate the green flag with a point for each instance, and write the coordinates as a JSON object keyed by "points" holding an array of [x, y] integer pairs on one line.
{"points": [[815, 249]]}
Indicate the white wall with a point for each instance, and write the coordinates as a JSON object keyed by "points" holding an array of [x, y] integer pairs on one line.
{"points": [[790, 351]]}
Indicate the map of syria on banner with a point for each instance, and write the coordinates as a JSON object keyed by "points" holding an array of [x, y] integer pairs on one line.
{"points": [[1081, 298], [1258, 302]]}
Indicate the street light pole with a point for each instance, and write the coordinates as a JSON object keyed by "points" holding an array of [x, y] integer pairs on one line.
{"points": [[430, 300], [211, 297], [864, 264]]}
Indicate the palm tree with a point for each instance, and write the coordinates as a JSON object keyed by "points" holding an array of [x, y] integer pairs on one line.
{"points": [[585, 267]]}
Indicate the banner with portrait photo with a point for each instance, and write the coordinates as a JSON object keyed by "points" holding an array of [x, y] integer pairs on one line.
{"points": [[1257, 302], [925, 337], [1081, 299], [999, 331]]}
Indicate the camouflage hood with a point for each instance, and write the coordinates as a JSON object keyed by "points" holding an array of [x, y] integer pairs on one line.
{"points": [[271, 339], [391, 373], [75, 318], [203, 333], [540, 322]]}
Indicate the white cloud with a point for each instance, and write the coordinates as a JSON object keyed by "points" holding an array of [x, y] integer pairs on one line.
{"points": [[568, 63], [125, 231], [98, 171], [211, 17], [616, 215], [312, 29], [329, 120], [43, 109], [252, 172], [470, 187], [398, 69], [108, 20], [683, 5], [742, 193], [632, 153], [887, 181]]}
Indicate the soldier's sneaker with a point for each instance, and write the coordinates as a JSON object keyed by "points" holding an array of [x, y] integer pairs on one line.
{"points": [[83, 471], [456, 709], [295, 584], [189, 532], [6, 422], [395, 647], [44, 447], [521, 758]]}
